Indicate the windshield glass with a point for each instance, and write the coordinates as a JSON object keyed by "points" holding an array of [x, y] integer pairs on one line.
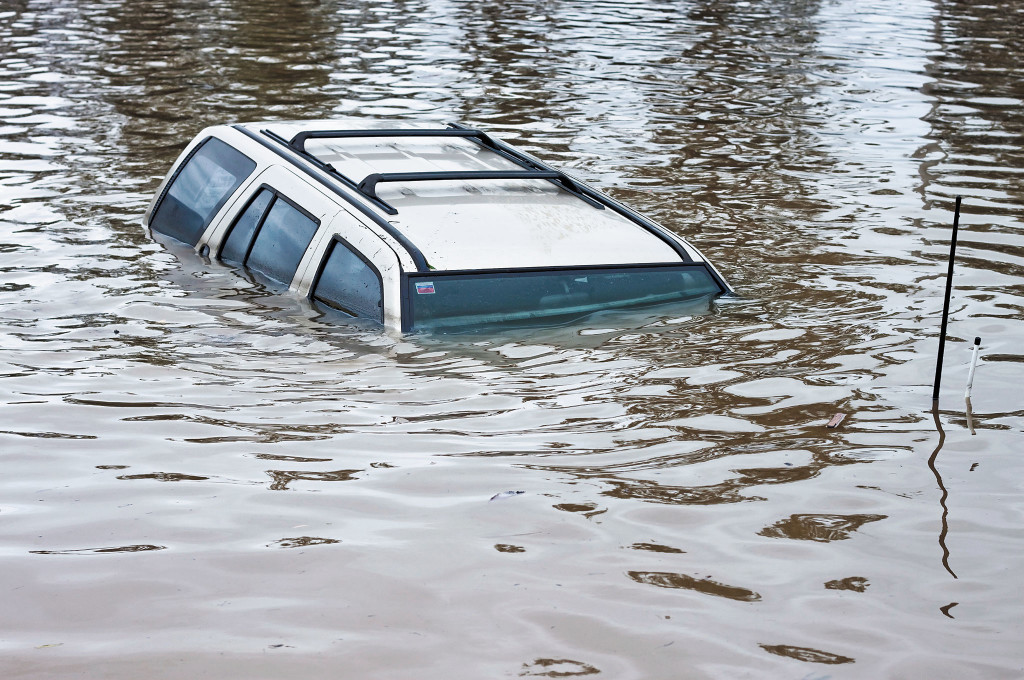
{"points": [[478, 298]]}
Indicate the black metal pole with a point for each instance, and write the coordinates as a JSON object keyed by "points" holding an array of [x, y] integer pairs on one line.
{"points": [[945, 305]]}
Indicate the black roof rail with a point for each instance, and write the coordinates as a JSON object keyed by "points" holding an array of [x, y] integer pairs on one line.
{"points": [[298, 142], [367, 187]]}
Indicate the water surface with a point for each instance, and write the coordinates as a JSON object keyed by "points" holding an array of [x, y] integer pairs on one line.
{"points": [[202, 478]]}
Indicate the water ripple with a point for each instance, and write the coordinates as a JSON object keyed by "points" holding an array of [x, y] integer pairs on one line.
{"points": [[813, 150]]}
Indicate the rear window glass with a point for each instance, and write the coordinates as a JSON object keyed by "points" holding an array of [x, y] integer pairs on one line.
{"points": [[270, 237], [453, 300], [350, 285], [199, 190]]}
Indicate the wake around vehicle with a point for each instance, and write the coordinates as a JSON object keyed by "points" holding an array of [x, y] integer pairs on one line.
{"points": [[418, 226]]}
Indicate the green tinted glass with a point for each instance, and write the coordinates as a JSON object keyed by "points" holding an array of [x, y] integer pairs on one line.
{"points": [[442, 300]]}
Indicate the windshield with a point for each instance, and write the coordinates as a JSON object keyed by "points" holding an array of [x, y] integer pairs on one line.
{"points": [[466, 299]]}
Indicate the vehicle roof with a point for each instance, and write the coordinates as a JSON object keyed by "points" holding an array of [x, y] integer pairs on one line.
{"points": [[477, 223]]}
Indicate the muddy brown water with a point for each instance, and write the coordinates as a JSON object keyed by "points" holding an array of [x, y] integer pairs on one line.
{"points": [[201, 478]]}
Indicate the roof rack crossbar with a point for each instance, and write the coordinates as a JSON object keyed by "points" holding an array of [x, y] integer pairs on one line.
{"points": [[369, 184], [298, 142]]}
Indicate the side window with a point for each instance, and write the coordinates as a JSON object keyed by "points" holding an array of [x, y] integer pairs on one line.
{"points": [[281, 241], [270, 237], [350, 284], [236, 247], [199, 190]]}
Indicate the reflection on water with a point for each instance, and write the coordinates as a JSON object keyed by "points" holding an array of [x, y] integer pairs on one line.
{"points": [[855, 583], [812, 149], [509, 548], [701, 585], [282, 478], [806, 654], [823, 528], [302, 542], [166, 477], [100, 551], [654, 547], [557, 668]]}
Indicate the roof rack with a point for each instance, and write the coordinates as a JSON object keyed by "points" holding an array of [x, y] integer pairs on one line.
{"points": [[368, 184], [532, 169]]}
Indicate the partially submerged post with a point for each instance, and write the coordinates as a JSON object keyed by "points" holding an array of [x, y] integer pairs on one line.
{"points": [[945, 305], [974, 365], [970, 384]]}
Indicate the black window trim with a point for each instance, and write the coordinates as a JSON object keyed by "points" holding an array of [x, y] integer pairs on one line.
{"points": [[407, 277], [277, 195], [336, 239], [181, 167]]}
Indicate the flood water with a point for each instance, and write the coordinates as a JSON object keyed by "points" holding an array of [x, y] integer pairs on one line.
{"points": [[203, 479]]}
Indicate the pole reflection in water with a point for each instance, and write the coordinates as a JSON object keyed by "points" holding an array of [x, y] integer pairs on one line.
{"points": [[942, 487]]}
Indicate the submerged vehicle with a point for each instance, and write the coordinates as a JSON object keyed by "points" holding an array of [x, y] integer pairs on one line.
{"points": [[416, 226]]}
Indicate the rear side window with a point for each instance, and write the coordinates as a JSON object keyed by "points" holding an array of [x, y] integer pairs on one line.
{"points": [[350, 284], [236, 247], [270, 236], [200, 188]]}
